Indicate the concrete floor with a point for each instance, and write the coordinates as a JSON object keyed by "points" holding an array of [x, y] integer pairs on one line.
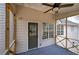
{"points": [[49, 50]]}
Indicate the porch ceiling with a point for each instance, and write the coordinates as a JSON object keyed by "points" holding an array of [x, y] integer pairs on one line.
{"points": [[39, 6]]}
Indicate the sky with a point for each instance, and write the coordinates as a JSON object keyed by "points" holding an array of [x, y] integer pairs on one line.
{"points": [[74, 19]]}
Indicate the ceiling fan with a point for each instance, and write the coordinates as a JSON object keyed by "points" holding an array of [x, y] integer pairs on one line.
{"points": [[56, 6]]}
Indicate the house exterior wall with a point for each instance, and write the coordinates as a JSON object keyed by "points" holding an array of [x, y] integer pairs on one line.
{"points": [[2, 28], [72, 32], [25, 15]]}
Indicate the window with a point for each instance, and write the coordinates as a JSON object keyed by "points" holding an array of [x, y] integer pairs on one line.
{"points": [[60, 30], [51, 31], [45, 31], [48, 31]]}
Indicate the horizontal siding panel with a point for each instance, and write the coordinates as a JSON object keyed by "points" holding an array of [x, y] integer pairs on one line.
{"points": [[2, 28]]}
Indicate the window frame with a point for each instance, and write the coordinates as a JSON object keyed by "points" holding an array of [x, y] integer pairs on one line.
{"points": [[48, 31], [59, 29]]}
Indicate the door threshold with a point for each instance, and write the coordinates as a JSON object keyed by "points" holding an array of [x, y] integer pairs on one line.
{"points": [[32, 49]]}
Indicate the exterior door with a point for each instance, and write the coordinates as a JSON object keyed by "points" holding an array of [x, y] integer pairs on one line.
{"points": [[32, 35]]}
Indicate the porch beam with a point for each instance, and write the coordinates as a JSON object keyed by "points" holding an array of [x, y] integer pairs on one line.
{"points": [[7, 29], [66, 33], [15, 33], [55, 31]]}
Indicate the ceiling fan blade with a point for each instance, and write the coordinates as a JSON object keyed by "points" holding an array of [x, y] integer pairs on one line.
{"points": [[46, 4], [66, 5], [48, 10]]}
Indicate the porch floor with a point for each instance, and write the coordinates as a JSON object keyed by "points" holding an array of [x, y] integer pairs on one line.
{"points": [[48, 50]]}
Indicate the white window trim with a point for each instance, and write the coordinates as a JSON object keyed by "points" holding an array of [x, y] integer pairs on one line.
{"points": [[47, 25]]}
